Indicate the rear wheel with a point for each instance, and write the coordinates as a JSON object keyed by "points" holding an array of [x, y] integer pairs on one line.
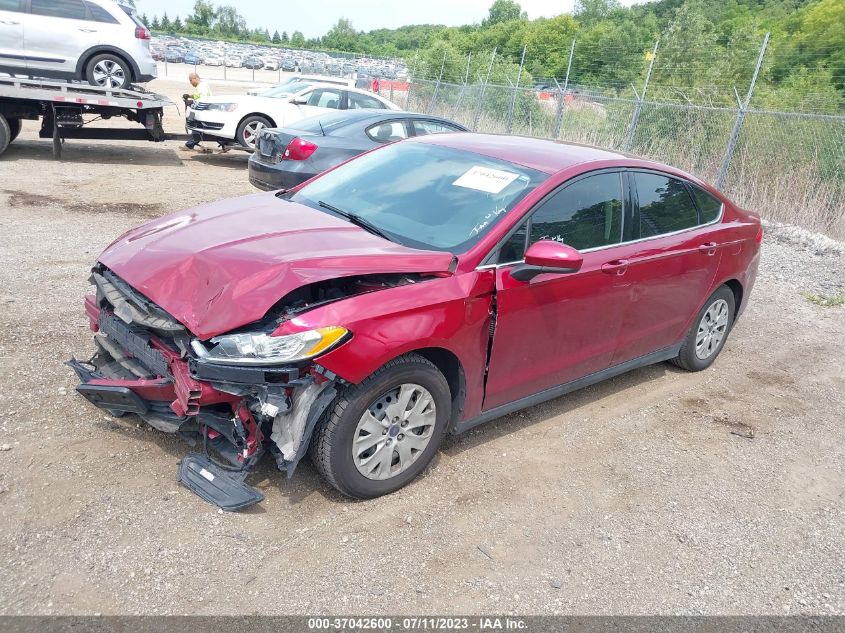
{"points": [[379, 435], [14, 128], [709, 331], [108, 71], [249, 129], [5, 134]]}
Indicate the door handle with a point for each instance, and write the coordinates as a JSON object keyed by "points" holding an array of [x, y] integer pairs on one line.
{"points": [[708, 249], [88, 30], [616, 267], [9, 22]]}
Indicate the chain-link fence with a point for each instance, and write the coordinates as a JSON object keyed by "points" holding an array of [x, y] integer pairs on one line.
{"points": [[788, 166]]}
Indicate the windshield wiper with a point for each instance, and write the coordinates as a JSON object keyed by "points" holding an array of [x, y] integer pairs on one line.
{"points": [[356, 220]]}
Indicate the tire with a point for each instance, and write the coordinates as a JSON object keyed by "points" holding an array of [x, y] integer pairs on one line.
{"points": [[721, 304], [108, 71], [250, 125], [333, 451], [5, 134], [14, 128]]}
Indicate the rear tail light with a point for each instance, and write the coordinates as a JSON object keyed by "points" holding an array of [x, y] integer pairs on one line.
{"points": [[299, 149], [142, 33], [759, 238]]}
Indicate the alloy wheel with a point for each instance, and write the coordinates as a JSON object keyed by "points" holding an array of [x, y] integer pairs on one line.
{"points": [[394, 431], [711, 329], [251, 132], [109, 74]]}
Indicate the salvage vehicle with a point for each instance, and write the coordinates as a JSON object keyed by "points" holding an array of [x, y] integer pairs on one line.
{"points": [[421, 288], [240, 118], [286, 157]]}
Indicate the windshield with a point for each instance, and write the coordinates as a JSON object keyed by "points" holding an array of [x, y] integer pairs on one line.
{"points": [[425, 196], [286, 89]]}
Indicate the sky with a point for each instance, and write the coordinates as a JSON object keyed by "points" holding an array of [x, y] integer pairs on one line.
{"points": [[315, 17]]}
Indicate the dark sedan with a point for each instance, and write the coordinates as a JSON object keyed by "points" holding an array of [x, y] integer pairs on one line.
{"points": [[286, 157]]}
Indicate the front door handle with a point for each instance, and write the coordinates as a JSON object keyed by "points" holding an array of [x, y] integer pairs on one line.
{"points": [[9, 22], [615, 267], [708, 249], [88, 30]]}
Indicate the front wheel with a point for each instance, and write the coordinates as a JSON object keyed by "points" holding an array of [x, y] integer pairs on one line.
{"points": [[14, 129], [108, 71], [379, 435], [709, 331], [249, 129]]}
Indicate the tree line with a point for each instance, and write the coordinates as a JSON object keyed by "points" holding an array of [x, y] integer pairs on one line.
{"points": [[706, 47]]}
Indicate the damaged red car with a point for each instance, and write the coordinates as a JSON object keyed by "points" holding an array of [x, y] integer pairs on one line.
{"points": [[420, 289]]}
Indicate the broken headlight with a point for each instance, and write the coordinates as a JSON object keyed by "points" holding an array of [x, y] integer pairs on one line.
{"points": [[263, 349]]}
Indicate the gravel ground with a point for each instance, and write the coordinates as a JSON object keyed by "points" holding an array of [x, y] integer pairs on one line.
{"points": [[642, 495]]}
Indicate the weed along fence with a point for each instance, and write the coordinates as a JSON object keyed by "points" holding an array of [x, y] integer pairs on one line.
{"points": [[788, 166]]}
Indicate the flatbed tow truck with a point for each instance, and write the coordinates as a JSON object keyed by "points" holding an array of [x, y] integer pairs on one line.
{"points": [[61, 105]]}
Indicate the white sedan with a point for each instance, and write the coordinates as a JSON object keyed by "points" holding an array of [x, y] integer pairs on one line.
{"points": [[240, 118]]}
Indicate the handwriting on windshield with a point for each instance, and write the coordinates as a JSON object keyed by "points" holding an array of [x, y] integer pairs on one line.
{"points": [[486, 221]]}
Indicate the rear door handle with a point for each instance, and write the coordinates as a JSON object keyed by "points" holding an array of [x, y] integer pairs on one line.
{"points": [[9, 22], [708, 249], [615, 267], [88, 30]]}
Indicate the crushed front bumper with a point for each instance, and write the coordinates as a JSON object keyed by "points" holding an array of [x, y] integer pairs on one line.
{"points": [[143, 365]]}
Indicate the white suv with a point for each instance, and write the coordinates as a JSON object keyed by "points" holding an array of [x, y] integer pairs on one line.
{"points": [[98, 41]]}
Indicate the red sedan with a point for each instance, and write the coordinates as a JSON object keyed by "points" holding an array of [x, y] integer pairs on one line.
{"points": [[419, 289]]}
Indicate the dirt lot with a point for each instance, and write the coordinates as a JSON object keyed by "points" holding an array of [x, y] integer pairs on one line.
{"points": [[641, 495]]}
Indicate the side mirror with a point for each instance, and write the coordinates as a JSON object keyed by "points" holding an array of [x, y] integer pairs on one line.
{"points": [[298, 101], [548, 256]]}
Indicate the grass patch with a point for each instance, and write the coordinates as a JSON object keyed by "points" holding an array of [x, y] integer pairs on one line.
{"points": [[827, 301]]}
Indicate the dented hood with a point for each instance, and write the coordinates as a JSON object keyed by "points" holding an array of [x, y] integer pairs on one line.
{"points": [[219, 266]]}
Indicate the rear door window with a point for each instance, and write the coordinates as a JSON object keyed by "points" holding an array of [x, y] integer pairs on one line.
{"points": [[325, 98], [387, 132], [359, 101], [665, 205], [99, 14], [71, 9]]}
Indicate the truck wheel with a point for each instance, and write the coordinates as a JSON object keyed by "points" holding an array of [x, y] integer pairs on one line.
{"points": [[249, 129], [379, 435], [108, 71], [14, 128], [5, 134]]}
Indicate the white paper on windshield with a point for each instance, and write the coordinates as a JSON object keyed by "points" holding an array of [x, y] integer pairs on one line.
{"points": [[486, 179]]}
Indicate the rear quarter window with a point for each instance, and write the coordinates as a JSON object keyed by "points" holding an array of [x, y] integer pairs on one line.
{"points": [[709, 207], [99, 14]]}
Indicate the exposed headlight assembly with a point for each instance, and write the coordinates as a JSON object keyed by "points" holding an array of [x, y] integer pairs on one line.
{"points": [[263, 349]]}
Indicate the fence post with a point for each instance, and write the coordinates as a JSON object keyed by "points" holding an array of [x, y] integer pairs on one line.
{"points": [[411, 82], [562, 93], [483, 90], [437, 85], [638, 106], [740, 118], [515, 91], [463, 88]]}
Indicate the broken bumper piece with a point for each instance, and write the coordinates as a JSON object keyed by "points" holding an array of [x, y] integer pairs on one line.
{"points": [[236, 412]]}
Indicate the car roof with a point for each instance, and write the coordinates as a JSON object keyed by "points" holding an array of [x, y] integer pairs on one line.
{"points": [[541, 154]]}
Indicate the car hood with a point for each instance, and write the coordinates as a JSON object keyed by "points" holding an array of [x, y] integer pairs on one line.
{"points": [[219, 266], [246, 101]]}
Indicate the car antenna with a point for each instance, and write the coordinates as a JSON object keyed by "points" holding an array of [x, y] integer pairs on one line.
{"points": [[321, 127]]}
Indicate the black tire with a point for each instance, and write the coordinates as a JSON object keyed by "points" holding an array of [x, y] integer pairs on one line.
{"points": [[244, 124], [688, 358], [5, 134], [14, 128], [117, 67], [331, 445]]}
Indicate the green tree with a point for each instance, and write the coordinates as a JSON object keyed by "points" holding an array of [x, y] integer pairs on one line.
{"points": [[297, 40], [277, 39], [165, 23], [341, 37], [285, 38], [228, 22], [176, 26], [202, 19], [156, 25], [589, 11], [144, 19], [503, 11]]}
